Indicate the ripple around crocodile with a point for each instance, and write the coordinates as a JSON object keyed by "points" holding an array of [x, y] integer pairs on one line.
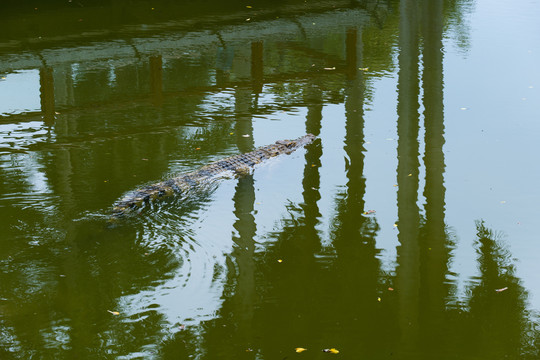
{"points": [[237, 165]]}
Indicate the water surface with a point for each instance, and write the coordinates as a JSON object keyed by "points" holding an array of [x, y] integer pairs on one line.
{"points": [[405, 231]]}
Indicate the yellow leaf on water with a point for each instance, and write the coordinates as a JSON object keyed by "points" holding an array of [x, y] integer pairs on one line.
{"points": [[299, 350], [280, 261], [113, 312], [331, 351]]}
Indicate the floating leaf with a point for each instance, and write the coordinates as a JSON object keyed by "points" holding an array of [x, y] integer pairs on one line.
{"points": [[330, 68], [363, 69], [280, 261], [113, 312], [502, 289], [379, 299], [299, 350], [369, 212], [331, 351], [390, 289]]}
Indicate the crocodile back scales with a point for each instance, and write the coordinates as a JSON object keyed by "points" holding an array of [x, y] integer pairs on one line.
{"points": [[236, 165]]}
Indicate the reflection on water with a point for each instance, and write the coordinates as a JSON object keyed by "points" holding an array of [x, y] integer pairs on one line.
{"points": [[375, 240]]}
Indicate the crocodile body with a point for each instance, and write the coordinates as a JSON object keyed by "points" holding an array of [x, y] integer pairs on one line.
{"points": [[181, 184]]}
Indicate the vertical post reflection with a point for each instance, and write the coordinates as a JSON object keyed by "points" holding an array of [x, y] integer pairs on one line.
{"points": [[311, 180], [354, 136], [243, 125], [351, 53], [407, 275], [46, 82], [244, 200], [224, 60], [243, 103], [434, 242], [257, 66], [156, 79], [244, 252], [355, 234]]}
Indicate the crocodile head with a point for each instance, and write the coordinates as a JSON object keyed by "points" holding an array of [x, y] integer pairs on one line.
{"points": [[295, 144]]}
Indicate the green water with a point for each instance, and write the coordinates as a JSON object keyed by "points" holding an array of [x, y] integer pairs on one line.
{"points": [[406, 231]]}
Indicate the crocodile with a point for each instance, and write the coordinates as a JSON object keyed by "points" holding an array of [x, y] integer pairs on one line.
{"points": [[236, 165]]}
